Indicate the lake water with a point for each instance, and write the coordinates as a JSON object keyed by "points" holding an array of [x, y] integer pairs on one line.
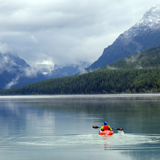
{"points": [[60, 127]]}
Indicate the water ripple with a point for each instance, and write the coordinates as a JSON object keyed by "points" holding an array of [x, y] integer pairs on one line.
{"points": [[116, 141]]}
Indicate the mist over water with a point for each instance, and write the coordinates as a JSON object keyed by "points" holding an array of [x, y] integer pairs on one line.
{"points": [[60, 127]]}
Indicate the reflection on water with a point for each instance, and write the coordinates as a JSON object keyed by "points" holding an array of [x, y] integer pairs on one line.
{"points": [[60, 127]]}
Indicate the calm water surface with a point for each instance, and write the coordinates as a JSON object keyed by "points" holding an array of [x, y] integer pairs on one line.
{"points": [[60, 127]]}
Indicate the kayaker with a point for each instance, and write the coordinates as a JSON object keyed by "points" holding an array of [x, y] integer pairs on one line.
{"points": [[105, 127]]}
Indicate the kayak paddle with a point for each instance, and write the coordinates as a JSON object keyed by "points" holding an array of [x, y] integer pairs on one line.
{"points": [[119, 129]]}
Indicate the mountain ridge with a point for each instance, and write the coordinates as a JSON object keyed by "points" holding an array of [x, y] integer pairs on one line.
{"points": [[143, 35], [15, 72], [148, 59], [125, 79]]}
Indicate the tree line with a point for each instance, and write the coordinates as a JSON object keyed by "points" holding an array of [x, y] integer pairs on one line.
{"points": [[96, 82]]}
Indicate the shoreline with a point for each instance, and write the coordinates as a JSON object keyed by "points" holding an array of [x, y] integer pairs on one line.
{"points": [[122, 95]]}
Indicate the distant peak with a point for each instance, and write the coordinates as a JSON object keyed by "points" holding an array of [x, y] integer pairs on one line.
{"points": [[151, 18], [156, 8]]}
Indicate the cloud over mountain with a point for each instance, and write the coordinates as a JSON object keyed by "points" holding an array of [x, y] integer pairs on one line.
{"points": [[63, 31], [15, 72]]}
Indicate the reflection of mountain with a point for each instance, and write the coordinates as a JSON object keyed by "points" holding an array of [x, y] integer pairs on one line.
{"points": [[117, 111], [45, 123], [20, 118], [15, 72], [63, 124], [12, 116]]}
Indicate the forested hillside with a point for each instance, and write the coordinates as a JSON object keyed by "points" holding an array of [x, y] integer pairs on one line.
{"points": [[97, 82], [148, 59], [138, 73]]}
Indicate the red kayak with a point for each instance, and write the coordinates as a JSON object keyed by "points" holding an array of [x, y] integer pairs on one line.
{"points": [[106, 132]]}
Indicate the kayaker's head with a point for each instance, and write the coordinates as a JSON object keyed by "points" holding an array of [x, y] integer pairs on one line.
{"points": [[105, 123]]}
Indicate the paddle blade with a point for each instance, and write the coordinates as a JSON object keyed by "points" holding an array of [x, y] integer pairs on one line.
{"points": [[95, 127]]}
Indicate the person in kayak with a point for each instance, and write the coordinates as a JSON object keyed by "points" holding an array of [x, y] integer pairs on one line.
{"points": [[105, 127]]}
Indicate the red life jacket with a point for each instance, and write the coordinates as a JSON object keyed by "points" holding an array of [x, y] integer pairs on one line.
{"points": [[106, 127]]}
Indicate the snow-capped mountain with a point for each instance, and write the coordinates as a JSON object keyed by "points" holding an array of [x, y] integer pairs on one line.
{"points": [[143, 35], [151, 18], [15, 72], [150, 21]]}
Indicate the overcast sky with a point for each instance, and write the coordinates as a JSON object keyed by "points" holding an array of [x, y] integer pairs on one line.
{"points": [[64, 31]]}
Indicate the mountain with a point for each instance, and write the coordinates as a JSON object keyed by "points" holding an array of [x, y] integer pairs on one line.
{"points": [[68, 70], [143, 35], [148, 59], [138, 73], [15, 72]]}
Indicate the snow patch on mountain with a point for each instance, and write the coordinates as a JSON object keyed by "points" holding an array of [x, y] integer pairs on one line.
{"points": [[141, 36], [150, 20]]}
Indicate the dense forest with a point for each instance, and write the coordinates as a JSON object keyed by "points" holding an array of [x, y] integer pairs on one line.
{"points": [[138, 73], [97, 82], [148, 59]]}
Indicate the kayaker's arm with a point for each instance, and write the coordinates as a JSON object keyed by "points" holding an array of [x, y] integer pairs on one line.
{"points": [[119, 129], [110, 128], [102, 128]]}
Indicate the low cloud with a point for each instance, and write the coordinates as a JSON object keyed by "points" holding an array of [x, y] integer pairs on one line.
{"points": [[131, 59], [111, 68], [4, 48], [7, 64], [30, 72], [34, 39], [13, 82], [65, 30], [139, 67]]}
